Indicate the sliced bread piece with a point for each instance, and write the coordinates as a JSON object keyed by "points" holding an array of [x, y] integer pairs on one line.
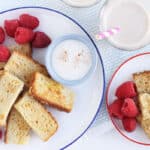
{"points": [[144, 103], [145, 124], [51, 92], [23, 48], [142, 81], [17, 130], [37, 117], [2, 64], [23, 67], [139, 118], [10, 88]]}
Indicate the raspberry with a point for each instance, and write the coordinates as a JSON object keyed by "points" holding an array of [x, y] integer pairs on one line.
{"points": [[11, 26], [1, 134], [129, 108], [28, 21], [129, 124], [115, 109], [2, 35], [41, 40], [23, 35], [126, 90], [4, 53]]}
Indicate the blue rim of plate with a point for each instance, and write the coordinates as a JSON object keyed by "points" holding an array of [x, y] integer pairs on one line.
{"points": [[50, 51], [99, 55]]}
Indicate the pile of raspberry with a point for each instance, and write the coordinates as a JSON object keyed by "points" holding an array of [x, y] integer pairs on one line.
{"points": [[22, 30], [124, 107]]}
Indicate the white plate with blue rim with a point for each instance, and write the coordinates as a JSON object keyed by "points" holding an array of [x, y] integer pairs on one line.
{"points": [[88, 95]]}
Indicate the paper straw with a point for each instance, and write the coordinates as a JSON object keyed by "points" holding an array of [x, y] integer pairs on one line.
{"points": [[107, 34]]}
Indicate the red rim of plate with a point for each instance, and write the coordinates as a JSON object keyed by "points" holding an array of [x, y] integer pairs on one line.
{"points": [[114, 74]]}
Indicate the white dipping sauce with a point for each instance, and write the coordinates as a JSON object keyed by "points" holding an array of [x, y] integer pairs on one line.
{"points": [[132, 20], [71, 59]]}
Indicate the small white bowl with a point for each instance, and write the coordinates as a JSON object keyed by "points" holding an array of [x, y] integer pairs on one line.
{"points": [[49, 53]]}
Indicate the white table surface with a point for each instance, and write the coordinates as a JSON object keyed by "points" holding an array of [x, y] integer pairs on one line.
{"points": [[109, 140], [94, 138]]}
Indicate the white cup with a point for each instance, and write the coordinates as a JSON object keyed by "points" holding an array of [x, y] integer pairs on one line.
{"points": [[133, 19], [81, 3]]}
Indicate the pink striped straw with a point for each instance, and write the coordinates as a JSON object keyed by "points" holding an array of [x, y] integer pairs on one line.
{"points": [[107, 34]]}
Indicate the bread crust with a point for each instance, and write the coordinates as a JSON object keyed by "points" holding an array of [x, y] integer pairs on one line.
{"points": [[6, 127], [145, 73], [46, 139], [142, 81]]}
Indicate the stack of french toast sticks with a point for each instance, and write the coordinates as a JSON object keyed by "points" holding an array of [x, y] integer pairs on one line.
{"points": [[142, 81], [26, 88]]}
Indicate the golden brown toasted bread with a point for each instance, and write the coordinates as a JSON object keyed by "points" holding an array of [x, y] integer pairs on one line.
{"points": [[145, 124], [17, 130], [144, 103], [10, 87], [37, 117], [142, 81], [23, 67], [2, 64], [23, 48], [139, 118], [51, 92]]}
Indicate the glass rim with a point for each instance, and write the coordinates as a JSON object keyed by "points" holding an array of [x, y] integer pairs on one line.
{"points": [[84, 5]]}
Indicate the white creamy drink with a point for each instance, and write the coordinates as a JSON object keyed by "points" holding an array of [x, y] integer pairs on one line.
{"points": [[71, 59], [132, 19], [80, 3]]}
